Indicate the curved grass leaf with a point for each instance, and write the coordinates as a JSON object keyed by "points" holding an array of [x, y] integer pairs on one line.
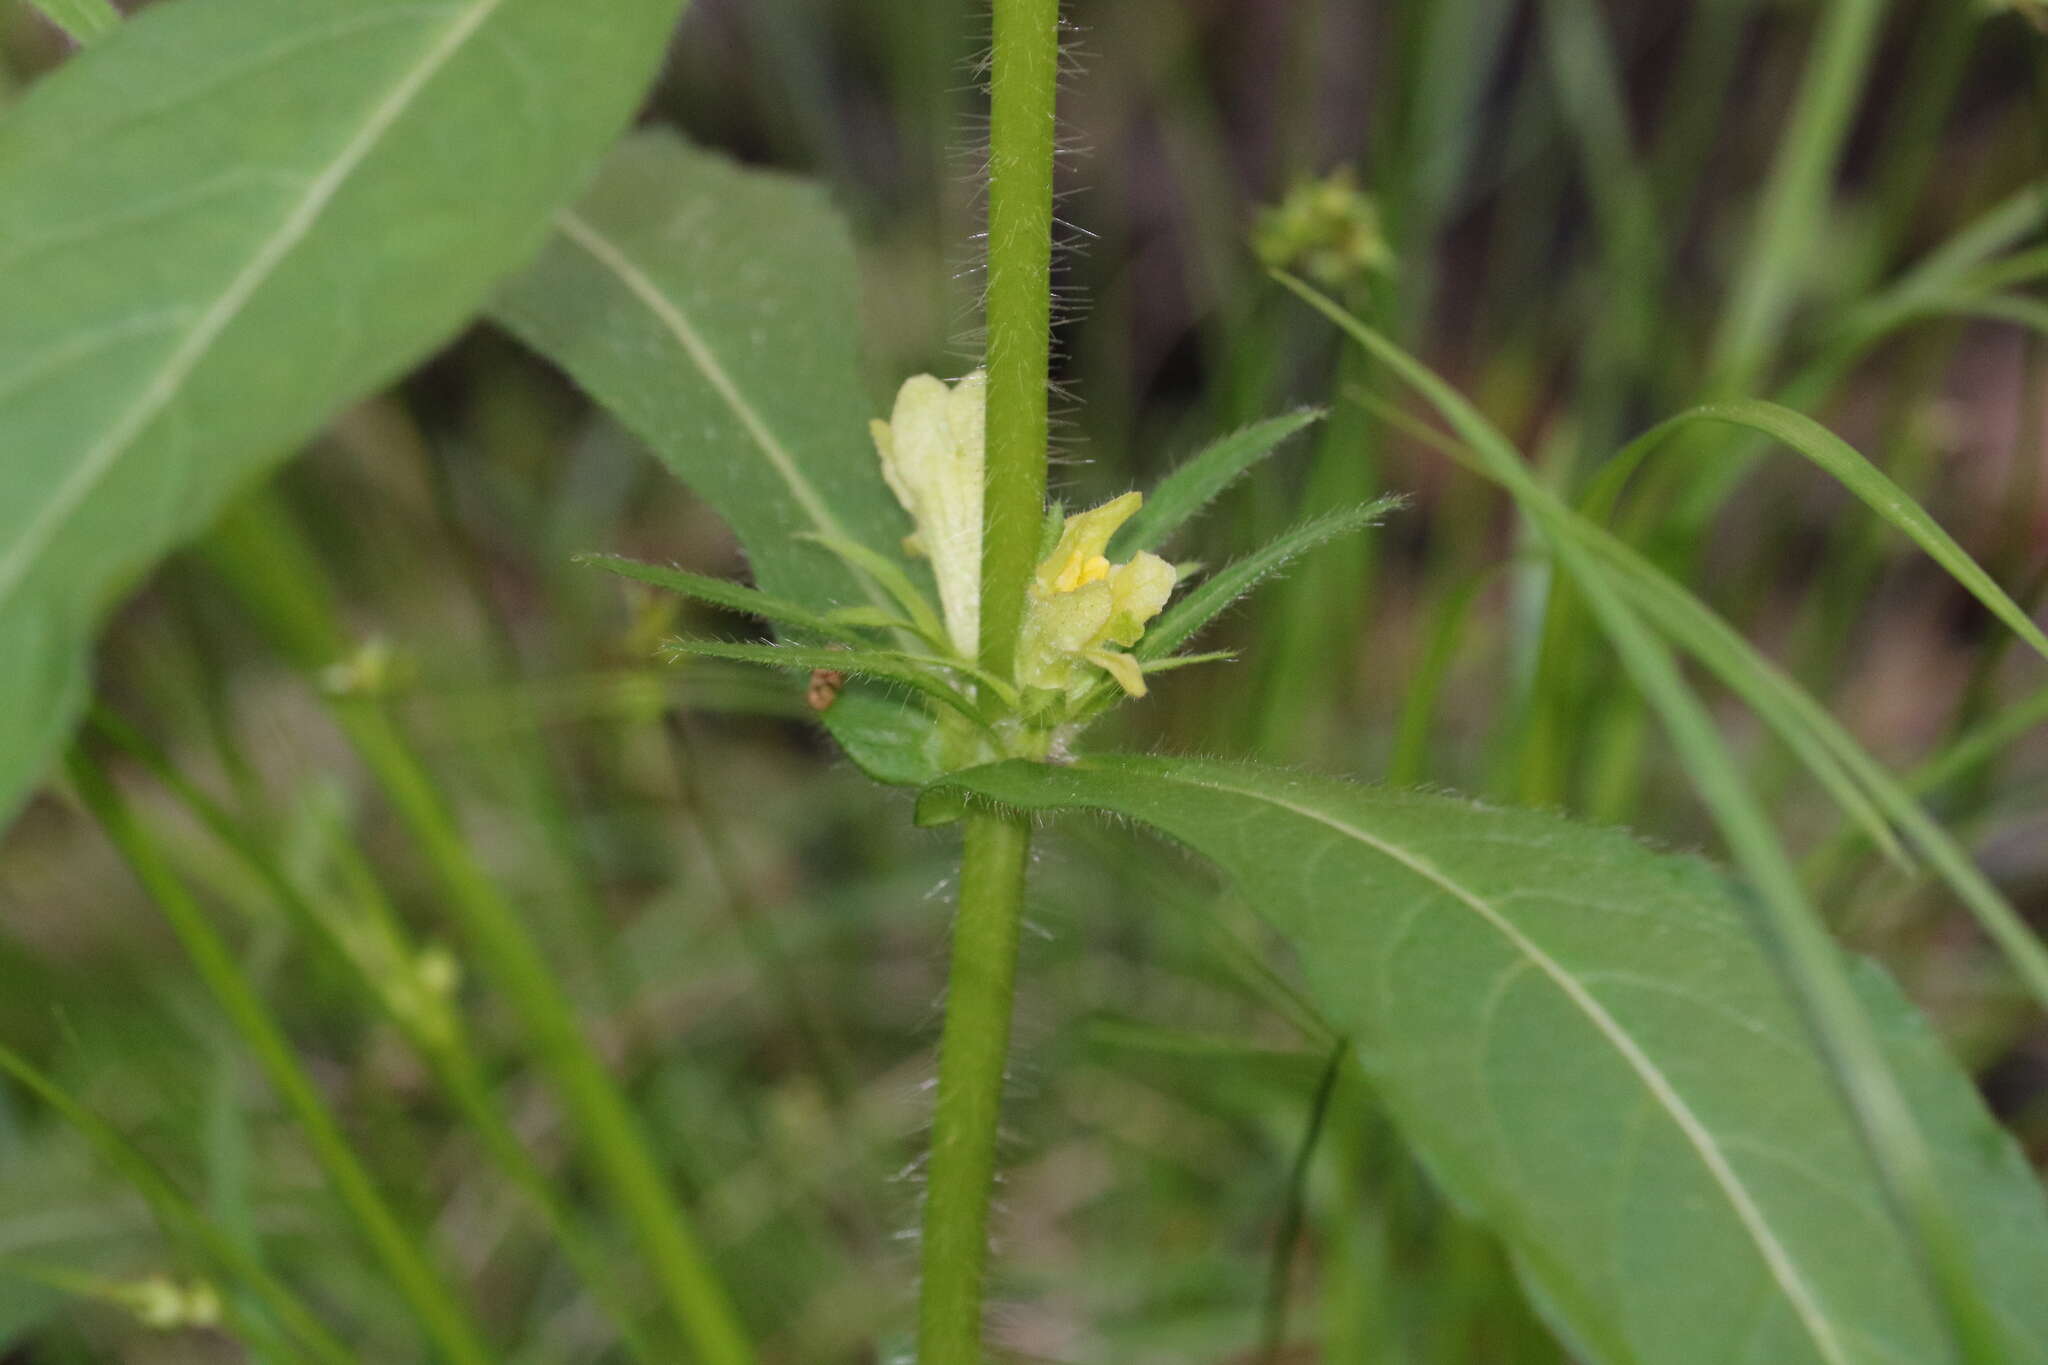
{"points": [[1867, 792], [1888, 1122], [712, 310], [1846, 465], [1593, 1048], [1198, 480], [223, 221]]}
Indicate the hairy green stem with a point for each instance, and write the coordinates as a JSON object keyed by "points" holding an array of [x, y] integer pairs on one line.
{"points": [[1023, 81], [1023, 86], [980, 986]]}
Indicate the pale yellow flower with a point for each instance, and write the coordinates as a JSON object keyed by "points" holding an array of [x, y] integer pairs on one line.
{"points": [[932, 454], [1080, 605]]}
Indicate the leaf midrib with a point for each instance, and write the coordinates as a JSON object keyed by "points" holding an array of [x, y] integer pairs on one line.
{"points": [[669, 313], [614, 257], [1776, 1258], [163, 387]]}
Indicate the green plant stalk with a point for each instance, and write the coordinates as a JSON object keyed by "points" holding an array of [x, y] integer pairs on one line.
{"points": [[447, 1323], [980, 985], [1789, 220], [1023, 82], [445, 1046], [613, 1137], [181, 1221], [981, 980], [280, 584]]}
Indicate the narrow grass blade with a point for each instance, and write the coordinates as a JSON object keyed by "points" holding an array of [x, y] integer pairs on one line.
{"points": [[1791, 214], [1812, 960], [1849, 468], [618, 1145], [182, 1221], [1867, 792], [84, 21], [276, 579], [1196, 482], [447, 1323], [374, 957]]}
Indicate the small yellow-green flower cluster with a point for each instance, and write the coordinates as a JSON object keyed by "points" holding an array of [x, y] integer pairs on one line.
{"points": [[168, 1306], [1081, 605], [932, 453], [1328, 230]]}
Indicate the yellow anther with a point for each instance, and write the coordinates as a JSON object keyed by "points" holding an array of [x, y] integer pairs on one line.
{"points": [[1079, 571]]}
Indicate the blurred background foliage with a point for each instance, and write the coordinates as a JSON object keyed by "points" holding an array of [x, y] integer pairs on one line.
{"points": [[1588, 215]]}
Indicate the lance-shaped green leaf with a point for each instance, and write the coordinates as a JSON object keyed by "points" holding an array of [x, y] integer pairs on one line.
{"points": [[713, 311], [1196, 482], [1592, 1048], [723, 592], [1215, 594], [226, 219]]}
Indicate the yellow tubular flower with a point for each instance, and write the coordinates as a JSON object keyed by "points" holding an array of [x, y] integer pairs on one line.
{"points": [[932, 451], [1081, 604]]}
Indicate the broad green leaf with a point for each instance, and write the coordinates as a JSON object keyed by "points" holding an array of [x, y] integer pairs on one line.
{"points": [[1193, 485], [1593, 1048], [223, 221], [712, 310]]}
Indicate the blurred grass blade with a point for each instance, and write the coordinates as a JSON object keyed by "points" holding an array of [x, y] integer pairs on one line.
{"points": [[383, 964], [319, 194], [1557, 980], [1792, 214], [274, 575], [1723, 650], [83, 21], [441, 1314], [183, 1222], [1865, 790], [1197, 481], [1215, 594], [1812, 961], [1849, 468]]}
